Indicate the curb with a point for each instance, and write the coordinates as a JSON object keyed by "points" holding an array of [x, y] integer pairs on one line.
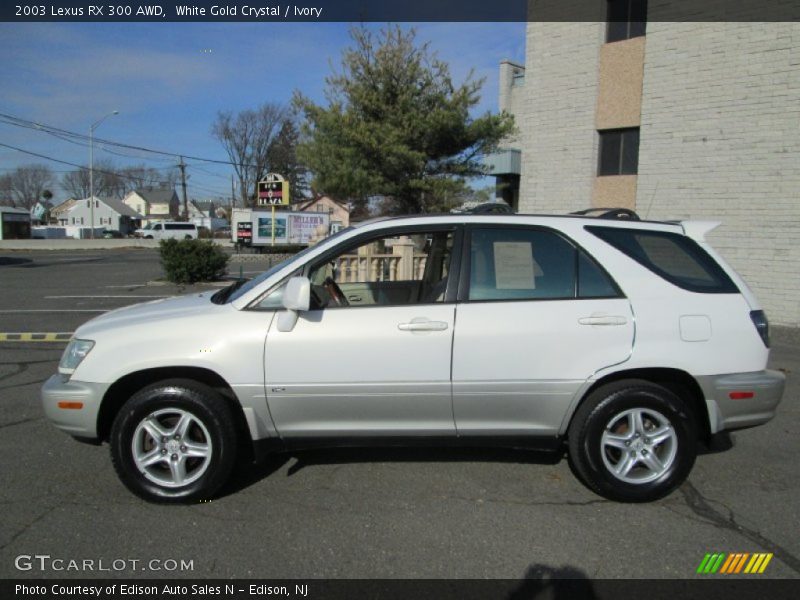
{"points": [[36, 337]]}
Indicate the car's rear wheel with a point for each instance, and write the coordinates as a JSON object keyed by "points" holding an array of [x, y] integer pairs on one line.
{"points": [[174, 441], [632, 441]]}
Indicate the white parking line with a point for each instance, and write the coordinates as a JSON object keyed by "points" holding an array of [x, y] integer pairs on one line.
{"points": [[118, 296], [53, 310]]}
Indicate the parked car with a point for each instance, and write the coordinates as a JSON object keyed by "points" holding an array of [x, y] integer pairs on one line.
{"points": [[112, 234], [168, 229], [621, 342]]}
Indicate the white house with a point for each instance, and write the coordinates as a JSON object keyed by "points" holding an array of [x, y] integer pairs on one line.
{"points": [[154, 204], [108, 214]]}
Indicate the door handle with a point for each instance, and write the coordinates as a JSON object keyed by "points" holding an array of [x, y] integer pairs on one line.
{"points": [[602, 321], [423, 326], [355, 298]]}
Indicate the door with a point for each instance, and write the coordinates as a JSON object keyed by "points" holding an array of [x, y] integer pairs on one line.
{"points": [[539, 318], [372, 357]]}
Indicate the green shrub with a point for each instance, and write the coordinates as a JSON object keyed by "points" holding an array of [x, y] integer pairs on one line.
{"points": [[188, 261]]}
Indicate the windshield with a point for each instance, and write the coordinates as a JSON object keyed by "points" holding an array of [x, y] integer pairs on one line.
{"points": [[256, 281]]}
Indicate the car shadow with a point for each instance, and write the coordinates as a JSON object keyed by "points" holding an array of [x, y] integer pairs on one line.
{"points": [[250, 473], [554, 583], [12, 261], [716, 444]]}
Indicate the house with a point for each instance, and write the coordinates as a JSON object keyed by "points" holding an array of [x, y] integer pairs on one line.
{"points": [[15, 223], [57, 213], [677, 120], [339, 212], [38, 213], [207, 214], [154, 204], [108, 214]]}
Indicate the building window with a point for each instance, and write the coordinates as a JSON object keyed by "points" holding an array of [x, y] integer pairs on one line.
{"points": [[619, 152], [626, 19]]}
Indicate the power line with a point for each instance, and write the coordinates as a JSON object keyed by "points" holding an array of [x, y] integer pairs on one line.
{"points": [[206, 189], [64, 162], [49, 129]]}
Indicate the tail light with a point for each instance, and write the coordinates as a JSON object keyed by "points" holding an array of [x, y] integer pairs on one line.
{"points": [[762, 325]]}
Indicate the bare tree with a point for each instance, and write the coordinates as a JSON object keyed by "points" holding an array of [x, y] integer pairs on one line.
{"points": [[6, 197], [76, 183], [141, 176], [247, 138], [110, 181], [28, 183]]}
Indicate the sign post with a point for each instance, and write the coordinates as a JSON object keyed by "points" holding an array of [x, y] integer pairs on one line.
{"points": [[273, 191]]}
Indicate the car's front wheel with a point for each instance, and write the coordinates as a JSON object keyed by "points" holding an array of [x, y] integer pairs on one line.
{"points": [[174, 441], [632, 441]]}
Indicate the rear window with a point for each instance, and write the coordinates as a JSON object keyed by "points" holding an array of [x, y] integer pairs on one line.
{"points": [[673, 257]]}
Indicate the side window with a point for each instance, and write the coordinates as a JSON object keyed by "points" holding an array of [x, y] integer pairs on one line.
{"points": [[673, 257], [157, 227], [592, 281], [513, 264], [387, 271]]}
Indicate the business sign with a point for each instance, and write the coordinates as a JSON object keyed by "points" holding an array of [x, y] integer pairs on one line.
{"points": [[273, 190], [306, 226], [244, 232]]}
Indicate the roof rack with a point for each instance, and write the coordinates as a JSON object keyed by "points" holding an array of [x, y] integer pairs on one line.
{"points": [[609, 213]]}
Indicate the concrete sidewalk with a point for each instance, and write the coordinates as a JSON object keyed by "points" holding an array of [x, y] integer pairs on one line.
{"points": [[89, 244]]}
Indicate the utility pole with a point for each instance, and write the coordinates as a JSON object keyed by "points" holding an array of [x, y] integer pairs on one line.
{"points": [[182, 167]]}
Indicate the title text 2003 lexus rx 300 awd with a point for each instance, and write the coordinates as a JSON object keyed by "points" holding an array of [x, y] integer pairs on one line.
{"points": [[622, 342]]}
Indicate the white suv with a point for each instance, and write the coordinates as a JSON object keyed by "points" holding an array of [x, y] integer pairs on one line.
{"points": [[622, 342]]}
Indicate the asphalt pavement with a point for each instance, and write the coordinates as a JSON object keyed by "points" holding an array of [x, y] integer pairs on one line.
{"points": [[354, 513]]}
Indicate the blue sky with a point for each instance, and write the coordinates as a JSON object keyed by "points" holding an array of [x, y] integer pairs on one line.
{"points": [[169, 80]]}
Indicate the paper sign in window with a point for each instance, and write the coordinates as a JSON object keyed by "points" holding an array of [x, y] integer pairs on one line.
{"points": [[514, 267]]}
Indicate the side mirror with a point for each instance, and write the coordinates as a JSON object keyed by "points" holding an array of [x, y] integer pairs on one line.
{"points": [[296, 297]]}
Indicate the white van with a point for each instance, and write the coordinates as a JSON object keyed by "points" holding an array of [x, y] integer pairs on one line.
{"points": [[169, 229]]}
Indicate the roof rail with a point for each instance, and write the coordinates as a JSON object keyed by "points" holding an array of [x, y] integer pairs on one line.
{"points": [[609, 213]]}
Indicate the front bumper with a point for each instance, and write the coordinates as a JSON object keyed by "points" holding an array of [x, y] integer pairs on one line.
{"points": [[726, 413], [78, 422]]}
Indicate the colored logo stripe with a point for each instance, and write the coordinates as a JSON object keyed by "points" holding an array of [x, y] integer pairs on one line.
{"points": [[734, 563], [35, 337]]}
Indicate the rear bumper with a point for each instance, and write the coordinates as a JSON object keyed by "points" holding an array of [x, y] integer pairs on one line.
{"points": [[78, 422], [726, 413]]}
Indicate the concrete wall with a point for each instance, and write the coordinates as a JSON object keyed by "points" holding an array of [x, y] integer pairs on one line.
{"points": [[720, 139], [557, 122]]}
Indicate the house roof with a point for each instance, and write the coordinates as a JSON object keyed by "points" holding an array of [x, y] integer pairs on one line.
{"points": [[121, 208], [63, 207], [11, 209], [203, 206], [156, 195], [116, 205], [304, 204]]}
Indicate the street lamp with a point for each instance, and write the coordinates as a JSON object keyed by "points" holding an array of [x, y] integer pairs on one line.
{"points": [[91, 167]]}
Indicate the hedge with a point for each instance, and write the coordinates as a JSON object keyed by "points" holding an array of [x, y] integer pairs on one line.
{"points": [[189, 261]]}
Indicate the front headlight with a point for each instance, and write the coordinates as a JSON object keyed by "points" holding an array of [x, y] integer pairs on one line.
{"points": [[76, 351]]}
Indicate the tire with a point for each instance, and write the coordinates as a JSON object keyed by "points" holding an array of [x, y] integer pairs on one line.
{"points": [[197, 447], [632, 441], [148, 237], [187, 237]]}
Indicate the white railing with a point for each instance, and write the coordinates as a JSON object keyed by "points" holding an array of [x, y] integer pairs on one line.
{"points": [[351, 268]]}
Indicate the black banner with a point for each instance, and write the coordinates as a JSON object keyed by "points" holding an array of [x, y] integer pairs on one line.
{"points": [[546, 587], [388, 10]]}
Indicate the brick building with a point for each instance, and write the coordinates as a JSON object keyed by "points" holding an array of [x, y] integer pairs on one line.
{"points": [[674, 119]]}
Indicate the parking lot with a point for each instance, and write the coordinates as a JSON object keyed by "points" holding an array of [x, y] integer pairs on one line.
{"points": [[356, 513]]}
